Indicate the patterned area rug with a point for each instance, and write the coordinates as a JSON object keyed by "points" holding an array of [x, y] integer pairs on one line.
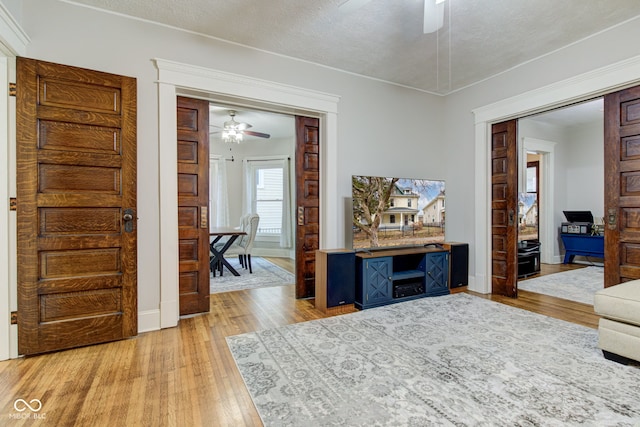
{"points": [[450, 360], [265, 274], [576, 285]]}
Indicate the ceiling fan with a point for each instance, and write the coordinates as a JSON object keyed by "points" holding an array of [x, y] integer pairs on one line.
{"points": [[433, 12], [233, 131]]}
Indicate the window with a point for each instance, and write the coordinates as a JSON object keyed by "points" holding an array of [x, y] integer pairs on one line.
{"points": [[268, 199], [392, 202], [392, 219], [267, 192], [409, 203]]}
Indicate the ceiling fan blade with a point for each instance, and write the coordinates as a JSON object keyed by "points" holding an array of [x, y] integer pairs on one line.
{"points": [[258, 134], [433, 15]]}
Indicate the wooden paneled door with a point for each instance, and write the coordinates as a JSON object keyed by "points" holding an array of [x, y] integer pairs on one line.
{"points": [[76, 190], [504, 199], [308, 203], [193, 202], [622, 186]]}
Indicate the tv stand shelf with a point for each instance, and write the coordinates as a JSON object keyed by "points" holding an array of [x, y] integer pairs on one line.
{"points": [[394, 275], [409, 274]]}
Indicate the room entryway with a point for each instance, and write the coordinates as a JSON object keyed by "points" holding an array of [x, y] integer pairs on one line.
{"points": [[622, 115]]}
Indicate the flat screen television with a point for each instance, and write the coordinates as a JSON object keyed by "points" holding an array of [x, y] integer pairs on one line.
{"points": [[390, 212]]}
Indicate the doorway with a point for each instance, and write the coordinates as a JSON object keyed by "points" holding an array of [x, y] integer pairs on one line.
{"points": [[254, 175], [216, 86], [561, 168]]}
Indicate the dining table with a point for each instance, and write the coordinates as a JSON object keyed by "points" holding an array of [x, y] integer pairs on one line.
{"points": [[218, 259]]}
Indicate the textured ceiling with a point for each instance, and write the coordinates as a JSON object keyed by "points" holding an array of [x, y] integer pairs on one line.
{"points": [[383, 39]]}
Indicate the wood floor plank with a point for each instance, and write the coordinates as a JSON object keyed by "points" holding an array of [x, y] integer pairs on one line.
{"points": [[184, 375]]}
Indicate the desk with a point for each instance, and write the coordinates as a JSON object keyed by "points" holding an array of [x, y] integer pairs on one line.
{"points": [[583, 245], [218, 255]]}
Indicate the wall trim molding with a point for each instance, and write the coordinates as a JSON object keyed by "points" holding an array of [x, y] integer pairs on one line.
{"points": [[547, 233], [13, 42], [190, 80], [579, 88], [13, 39], [148, 320]]}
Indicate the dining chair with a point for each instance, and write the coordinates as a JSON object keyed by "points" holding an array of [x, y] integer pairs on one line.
{"points": [[244, 219], [243, 246]]}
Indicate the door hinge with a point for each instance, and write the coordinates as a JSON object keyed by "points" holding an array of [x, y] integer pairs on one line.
{"points": [[14, 317], [13, 89], [13, 204]]}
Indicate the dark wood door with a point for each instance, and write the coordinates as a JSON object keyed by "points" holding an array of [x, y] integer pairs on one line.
{"points": [[193, 202], [504, 198], [308, 204], [622, 186], [76, 189]]}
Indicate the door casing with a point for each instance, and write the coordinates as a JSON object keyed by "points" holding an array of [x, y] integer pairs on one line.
{"points": [[579, 88], [176, 79]]}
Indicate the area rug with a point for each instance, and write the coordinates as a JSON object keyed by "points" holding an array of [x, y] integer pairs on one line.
{"points": [[575, 285], [451, 360], [265, 274]]}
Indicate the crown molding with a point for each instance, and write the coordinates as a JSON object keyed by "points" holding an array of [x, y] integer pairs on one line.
{"points": [[584, 86], [13, 39]]}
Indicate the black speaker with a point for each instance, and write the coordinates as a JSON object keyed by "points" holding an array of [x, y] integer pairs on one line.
{"points": [[341, 279], [335, 278], [458, 264]]}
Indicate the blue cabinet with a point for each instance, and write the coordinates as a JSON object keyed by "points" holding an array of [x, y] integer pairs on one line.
{"points": [[583, 245], [391, 276], [437, 269], [377, 276]]}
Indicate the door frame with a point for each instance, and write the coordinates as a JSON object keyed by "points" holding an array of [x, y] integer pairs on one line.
{"points": [[579, 88], [175, 79], [13, 42], [546, 232]]}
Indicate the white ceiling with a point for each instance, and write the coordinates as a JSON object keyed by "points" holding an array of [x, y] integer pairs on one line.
{"points": [[574, 115], [383, 39]]}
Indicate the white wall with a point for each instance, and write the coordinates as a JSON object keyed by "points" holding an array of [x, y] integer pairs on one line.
{"points": [[78, 36], [583, 169]]}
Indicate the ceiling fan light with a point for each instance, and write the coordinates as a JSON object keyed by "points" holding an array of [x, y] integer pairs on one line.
{"points": [[231, 135]]}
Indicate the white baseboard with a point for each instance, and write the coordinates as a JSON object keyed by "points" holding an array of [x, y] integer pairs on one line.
{"points": [[148, 321], [476, 285], [271, 252]]}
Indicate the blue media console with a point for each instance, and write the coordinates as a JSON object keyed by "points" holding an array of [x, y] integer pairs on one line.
{"points": [[583, 245]]}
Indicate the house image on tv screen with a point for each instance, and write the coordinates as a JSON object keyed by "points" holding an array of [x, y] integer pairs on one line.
{"points": [[397, 211]]}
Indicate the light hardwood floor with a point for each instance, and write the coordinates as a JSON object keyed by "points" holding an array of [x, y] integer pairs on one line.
{"points": [[179, 376]]}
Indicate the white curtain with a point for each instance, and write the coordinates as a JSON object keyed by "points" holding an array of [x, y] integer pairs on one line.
{"points": [[219, 198], [248, 175], [286, 236]]}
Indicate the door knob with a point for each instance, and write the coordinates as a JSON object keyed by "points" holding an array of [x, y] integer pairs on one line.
{"points": [[128, 220], [612, 218]]}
